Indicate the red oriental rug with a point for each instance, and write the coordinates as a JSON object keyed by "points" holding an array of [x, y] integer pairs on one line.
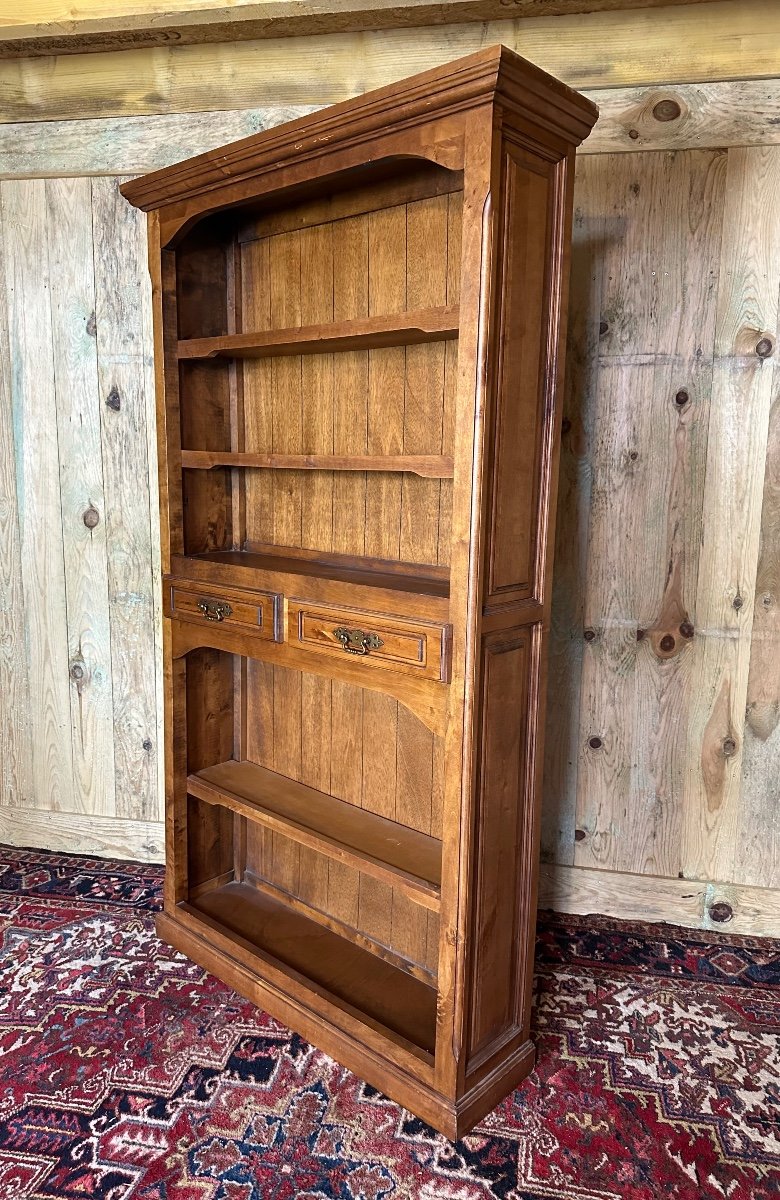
{"points": [[128, 1072]]}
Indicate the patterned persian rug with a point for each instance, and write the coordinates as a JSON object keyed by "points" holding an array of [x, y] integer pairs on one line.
{"points": [[128, 1073]]}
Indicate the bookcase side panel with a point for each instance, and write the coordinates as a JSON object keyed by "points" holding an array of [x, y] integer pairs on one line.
{"points": [[521, 442]]}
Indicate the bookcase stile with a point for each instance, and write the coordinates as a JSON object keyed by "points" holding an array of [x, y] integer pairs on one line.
{"points": [[359, 321]]}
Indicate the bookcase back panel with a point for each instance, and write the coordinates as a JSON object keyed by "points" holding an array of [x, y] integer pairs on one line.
{"points": [[362, 747], [397, 400]]}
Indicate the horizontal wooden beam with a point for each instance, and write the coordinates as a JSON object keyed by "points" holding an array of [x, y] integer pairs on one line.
{"points": [[83, 833], [728, 908], [728, 39], [50, 27], [712, 115]]}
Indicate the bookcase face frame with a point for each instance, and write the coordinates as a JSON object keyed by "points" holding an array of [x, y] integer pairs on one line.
{"points": [[359, 337]]}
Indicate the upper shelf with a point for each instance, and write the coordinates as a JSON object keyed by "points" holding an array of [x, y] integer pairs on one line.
{"points": [[429, 466], [364, 333]]}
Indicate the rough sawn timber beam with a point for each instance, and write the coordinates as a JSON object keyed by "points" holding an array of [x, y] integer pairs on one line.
{"points": [[693, 43], [51, 27]]}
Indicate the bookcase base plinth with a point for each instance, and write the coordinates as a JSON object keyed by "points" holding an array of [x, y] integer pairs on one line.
{"points": [[375, 1063]]}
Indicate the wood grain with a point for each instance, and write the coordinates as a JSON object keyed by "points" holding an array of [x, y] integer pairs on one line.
{"points": [[83, 833], [50, 28], [756, 857], [72, 297], [656, 340], [594, 49], [747, 312], [630, 897], [567, 644], [33, 405], [121, 305], [725, 113]]}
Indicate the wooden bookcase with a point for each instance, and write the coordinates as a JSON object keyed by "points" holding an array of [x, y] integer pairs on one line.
{"points": [[359, 323]]}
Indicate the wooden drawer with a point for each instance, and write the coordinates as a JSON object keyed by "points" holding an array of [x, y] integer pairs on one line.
{"points": [[251, 612], [414, 647]]}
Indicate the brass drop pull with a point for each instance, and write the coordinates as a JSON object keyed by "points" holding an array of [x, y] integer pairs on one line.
{"points": [[215, 610], [356, 641]]}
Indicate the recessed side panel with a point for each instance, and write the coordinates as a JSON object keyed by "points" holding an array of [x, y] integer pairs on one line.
{"points": [[520, 417], [210, 698], [501, 846]]}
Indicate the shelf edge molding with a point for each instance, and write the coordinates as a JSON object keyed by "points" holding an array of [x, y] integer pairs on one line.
{"points": [[394, 853], [363, 333], [429, 466]]}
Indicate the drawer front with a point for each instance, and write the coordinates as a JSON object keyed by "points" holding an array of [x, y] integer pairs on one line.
{"points": [[252, 612], [414, 647]]}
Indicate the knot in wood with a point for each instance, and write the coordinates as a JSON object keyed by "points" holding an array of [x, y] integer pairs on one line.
{"points": [[146, 744], [595, 743], [720, 912], [686, 629], [113, 400], [737, 602], [633, 134], [603, 328], [77, 672], [666, 110], [765, 347], [579, 835], [667, 643], [681, 398], [91, 517], [729, 747], [589, 635]]}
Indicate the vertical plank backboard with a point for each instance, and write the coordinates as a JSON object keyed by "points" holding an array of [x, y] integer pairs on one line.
{"points": [[757, 853], [121, 305], [746, 332], [15, 732], [69, 219], [562, 738], [33, 401]]}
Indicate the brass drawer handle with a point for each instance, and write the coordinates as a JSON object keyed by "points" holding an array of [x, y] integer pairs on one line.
{"points": [[355, 641], [215, 610]]}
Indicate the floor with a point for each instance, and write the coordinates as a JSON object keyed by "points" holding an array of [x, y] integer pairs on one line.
{"points": [[127, 1072]]}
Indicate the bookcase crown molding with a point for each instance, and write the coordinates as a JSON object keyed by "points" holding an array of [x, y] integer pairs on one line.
{"points": [[495, 73]]}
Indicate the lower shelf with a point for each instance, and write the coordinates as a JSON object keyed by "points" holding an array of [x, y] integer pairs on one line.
{"points": [[385, 849], [351, 976]]}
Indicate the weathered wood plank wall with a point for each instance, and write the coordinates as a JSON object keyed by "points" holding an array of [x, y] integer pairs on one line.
{"points": [[661, 617], [663, 745], [80, 562]]}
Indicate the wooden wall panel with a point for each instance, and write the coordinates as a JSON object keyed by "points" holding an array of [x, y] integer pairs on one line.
{"points": [[82, 501], [33, 399], [15, 729], [123, 320], [728, 39], [80, 557], [745, 340], [664, 645]]}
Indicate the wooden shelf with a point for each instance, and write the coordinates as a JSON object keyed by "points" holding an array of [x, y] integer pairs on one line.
{"points": [[429, 466], [236, 566], [369, 333], [359, 982], [408, 860]]}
